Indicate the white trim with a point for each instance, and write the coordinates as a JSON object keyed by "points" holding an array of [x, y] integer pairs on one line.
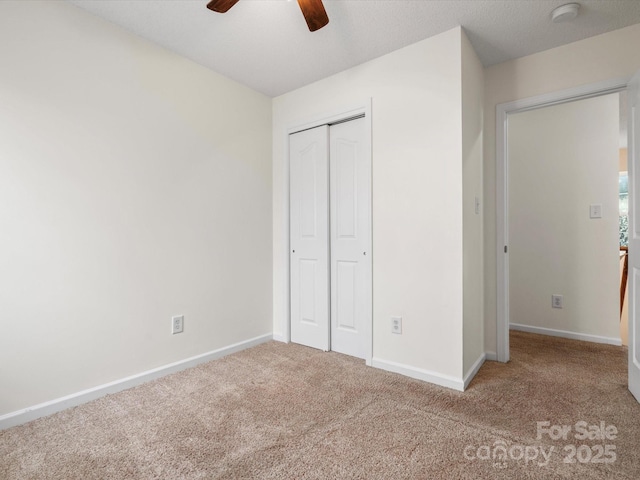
{"points": [[286, 293], [362, 108], [503, 111], [585, 337], [502, 236], [633, 129], [279, 337], [490, 356], [474, 370], [419, 374], [47, 408]]}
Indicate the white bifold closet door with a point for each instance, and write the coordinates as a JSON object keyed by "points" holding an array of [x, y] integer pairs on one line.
{"points": [[330, 177], [309, 237]]}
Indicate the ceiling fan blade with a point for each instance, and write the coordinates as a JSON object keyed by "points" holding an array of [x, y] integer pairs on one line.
{"points": [[314, 13], [221, 6]]}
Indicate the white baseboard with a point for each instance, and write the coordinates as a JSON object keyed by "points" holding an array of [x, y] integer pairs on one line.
{"points": [[419, 374], [47, 408], [473, 370], [565, 334], [279, 337], [491, 356]]}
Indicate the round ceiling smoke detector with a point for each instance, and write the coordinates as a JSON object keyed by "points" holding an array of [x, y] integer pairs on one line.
{"points": [[565, 13]]}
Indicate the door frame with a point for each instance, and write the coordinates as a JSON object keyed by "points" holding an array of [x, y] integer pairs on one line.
{"points": [[503, 110], [334, 116]]}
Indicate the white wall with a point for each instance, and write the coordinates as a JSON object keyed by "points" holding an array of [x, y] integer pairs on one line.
{"points": [[611, 55], [562, 159], [134, 185], [472, 118], [417, 196]]}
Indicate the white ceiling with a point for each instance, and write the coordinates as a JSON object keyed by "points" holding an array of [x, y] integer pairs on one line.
{"points": [[265, 44]]}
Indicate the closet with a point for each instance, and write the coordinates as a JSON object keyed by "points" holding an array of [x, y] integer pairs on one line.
{"points": [[330, 237]]}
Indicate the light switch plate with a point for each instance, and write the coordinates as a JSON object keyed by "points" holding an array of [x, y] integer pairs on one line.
{"points": [[595, 211]]}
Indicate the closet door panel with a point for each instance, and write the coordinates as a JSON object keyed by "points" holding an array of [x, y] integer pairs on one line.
{"points": [[350, 201], [309, 237]]}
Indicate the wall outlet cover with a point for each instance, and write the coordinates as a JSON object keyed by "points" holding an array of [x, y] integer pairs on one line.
{"points": [[177, 324], [556, 301], [396, 325]]}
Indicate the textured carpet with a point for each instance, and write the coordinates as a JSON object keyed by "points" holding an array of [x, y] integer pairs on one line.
{"points": [[289, 412]]}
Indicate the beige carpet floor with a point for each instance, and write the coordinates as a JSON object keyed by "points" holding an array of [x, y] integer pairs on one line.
{"points": [[281, 411]]}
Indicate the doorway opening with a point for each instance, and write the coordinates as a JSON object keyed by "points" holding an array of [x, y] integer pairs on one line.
{"points": [[547, 223], [564, 276], [623, 208]]}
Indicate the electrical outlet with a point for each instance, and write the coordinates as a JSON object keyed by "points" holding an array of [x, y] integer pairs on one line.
{"points": [[177, 324], [556, 301], [396, 325]]}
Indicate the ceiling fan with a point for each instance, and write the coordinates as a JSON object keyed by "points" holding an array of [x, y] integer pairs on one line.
{"points": [[313, 11]]}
